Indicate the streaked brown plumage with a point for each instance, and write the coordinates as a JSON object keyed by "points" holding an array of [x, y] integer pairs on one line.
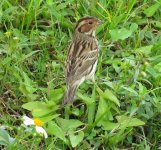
{"points": [[82, 55]]}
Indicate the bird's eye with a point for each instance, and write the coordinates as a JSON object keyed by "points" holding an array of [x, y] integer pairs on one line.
{"points": [[90, 22]]}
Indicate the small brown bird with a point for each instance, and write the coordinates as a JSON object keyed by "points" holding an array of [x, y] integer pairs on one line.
{"points": [[82, 55]]}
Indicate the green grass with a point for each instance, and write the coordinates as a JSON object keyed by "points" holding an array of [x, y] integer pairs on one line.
{"points": [[122, 111]]}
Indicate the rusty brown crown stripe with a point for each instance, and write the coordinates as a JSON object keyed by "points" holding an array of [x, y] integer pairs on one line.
{"points": [[84, 18]]}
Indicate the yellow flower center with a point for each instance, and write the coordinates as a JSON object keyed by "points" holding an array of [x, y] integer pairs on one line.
{"points": [[38, 122]]}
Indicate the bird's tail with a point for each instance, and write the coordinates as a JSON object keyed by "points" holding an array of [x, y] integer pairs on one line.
{"points": [[69, 95]]}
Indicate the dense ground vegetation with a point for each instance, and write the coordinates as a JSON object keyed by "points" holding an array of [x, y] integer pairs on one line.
{"points": [[121, 111]]}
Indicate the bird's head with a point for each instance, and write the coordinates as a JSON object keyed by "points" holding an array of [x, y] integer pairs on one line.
{"points": [[87, 25]]}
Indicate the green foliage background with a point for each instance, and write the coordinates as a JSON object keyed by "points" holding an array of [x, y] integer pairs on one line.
{"points": [[122, 111]]}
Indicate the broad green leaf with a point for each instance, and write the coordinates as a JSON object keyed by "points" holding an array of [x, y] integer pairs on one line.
{"points": [[145, 50], [152, 71], [110, 125], [56, 95], [92, 107], [102, 106], [130, 90], [67, 124], [108, 95], [123, 122], [112, 97], [76, 139], [91, 113], [152, 9], [133, 27], [126, 121], [54, 129], [119, 136], [33, 105], [40, 109], [28, 83], [86, 99], [158, 67], [118, 34], [5, 138], [75, 111], [27, 86], [48, 118], [39, 112]]}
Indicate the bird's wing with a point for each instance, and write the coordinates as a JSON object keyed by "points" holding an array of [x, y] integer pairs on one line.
{"points": [[81, 57]]}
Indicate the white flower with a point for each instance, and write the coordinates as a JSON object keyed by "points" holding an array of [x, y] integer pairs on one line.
{"points": [[38, 125]]}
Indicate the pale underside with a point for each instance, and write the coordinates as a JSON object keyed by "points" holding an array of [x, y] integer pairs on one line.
{"points": [[81, 67], [81, 63]]}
